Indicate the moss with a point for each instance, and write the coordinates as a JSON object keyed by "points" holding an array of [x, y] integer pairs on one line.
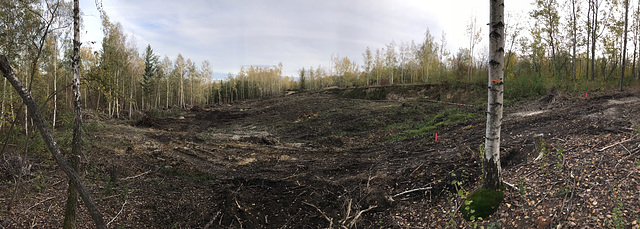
{"points": [[481, 204]]}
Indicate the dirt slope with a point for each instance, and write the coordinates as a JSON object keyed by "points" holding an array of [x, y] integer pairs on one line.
{"points": [[334, 159]]}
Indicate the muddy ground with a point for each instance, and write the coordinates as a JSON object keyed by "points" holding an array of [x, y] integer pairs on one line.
{"points": [[342, 159]]}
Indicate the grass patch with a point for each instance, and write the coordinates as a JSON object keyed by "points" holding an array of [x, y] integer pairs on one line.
{"points": [[373, 93], [433, 122]]}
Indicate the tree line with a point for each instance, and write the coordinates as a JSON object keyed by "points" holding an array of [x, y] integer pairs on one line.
{"points": [[567, 43]]}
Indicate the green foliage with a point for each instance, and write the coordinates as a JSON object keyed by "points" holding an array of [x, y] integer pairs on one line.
{"points": [[379, 93], [445, 117], [617, 219], [150, 69], [635, 127], [521, 187], [303, 80], [544, 160], [560, 159], [481, 204], [524, 86]]}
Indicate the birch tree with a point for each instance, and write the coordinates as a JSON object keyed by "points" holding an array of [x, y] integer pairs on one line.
{"points": [[179, 69], [493, 178], [76, 142]]}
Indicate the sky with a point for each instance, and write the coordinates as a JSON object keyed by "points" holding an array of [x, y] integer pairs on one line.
{"points": [[299, 33]]}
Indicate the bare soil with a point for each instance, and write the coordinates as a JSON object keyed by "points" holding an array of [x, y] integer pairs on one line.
{"points": [[329, 159]]}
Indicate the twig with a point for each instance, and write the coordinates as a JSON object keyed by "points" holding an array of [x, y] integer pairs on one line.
{"points": [[511, 186], [50, 198], [239, 207], [348, 215], [539, 156], [211, 221], [540, 201], [321, 212], [416, 169], [239, 221], [600, 150], [573, 189], [136, 176], [114, 218], [559, 139], [410, 191], [355, 219], [108, 197], [535, 170]]}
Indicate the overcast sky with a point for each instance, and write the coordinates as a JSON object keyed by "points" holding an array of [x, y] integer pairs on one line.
{"points": [[298, 33]]}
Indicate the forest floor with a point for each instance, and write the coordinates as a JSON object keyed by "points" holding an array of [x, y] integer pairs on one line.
{"points": [[340, 159]]}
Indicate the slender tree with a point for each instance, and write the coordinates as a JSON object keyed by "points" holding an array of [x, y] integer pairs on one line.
{"points": [[493, 178], [547, 15], [574, 36], [303, 80], [624, 46], [76, 142]]}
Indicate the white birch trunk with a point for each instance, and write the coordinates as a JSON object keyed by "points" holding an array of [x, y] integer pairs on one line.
{"points": [[55, 83], [492, 176]]}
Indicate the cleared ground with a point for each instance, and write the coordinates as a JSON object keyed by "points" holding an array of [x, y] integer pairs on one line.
{"points": [[343, 158]]}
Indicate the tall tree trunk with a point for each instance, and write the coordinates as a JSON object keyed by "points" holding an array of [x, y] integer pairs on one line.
{"points": [[55, 82], [4, 92], [575, 37], [493, 178], [594, 28], [624, 45], [5, 68], [181, 102], [588, 37], [76, 142]]}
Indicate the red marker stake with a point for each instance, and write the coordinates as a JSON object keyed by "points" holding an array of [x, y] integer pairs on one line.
{"points": [[585, 94], [436, 137]]}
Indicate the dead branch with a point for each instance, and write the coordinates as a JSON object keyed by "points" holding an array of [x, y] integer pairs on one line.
{"points": [[348, 215], [355, 219], [136, 176], [114, 218], [416, 169], [239, 207], [410, 191], [539, 156], [618, 143], [511, 185], [212, 220], [321, 212], [50, 198]]}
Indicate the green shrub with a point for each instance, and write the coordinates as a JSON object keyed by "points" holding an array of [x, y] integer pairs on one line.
{"points": [[525, 86]]}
